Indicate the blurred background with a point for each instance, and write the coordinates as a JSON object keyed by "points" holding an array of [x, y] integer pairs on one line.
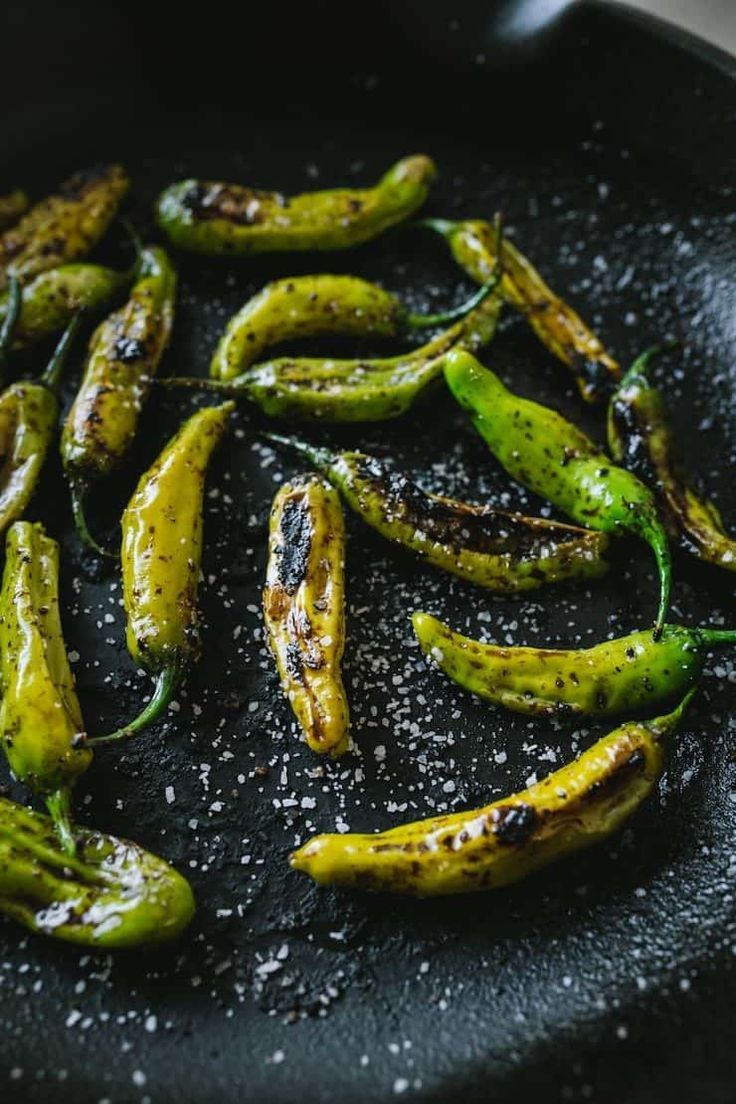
{"points": [[713, 19]]}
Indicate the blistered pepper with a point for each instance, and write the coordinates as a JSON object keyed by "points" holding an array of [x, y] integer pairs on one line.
{"points": [[161, 558], [111, 894], [553, 458], [304, 607], [41, 727], [503, 551], [12, 206], [213, 218], [572, 809]]}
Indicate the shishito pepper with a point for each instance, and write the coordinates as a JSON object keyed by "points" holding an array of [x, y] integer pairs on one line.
{"points": [[41, 727], [574, 808], [124, 354], [304, 607], [214, 218], [111, 894], [553, 458], [640, 438], [12, 206], [64, 226], [161, 556], [474, 245], [629, 675], [503, 551]]}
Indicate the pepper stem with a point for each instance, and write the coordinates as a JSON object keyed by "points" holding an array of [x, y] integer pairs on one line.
{"points": [[657, 538], [419, 321], [662, 726], [55, 366], [642, 362], [166, 683], [322, 458], [718, 636], [14, 301], [59, 807], [80, 521]]}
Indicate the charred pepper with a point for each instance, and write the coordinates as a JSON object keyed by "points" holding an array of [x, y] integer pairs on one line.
{"points": [[474, 245], [574, 808], [111, 894], [503, 551], [213, 218], [12, 206], [550, 456], [124, 354], [161, 557], [41, 727], [304, 607]]}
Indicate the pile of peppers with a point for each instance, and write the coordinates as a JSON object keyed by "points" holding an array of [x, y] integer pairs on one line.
{"points": [[71, 882]]}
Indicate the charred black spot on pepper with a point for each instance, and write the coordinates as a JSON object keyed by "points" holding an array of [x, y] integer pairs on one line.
{"points": [[296, 534], [514, 824], [618, 776], [128, 349]]}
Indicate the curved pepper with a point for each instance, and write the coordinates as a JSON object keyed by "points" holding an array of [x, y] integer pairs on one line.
{"points": [[111, 894], [640, 437], [124, 354], [474, 245], [213, 218], [161, 556], [502, 551], [302, 306], [12, 206], [64, 226], [550, 456], [304, 607], [631, 674], [41, 727], [572, 809]]}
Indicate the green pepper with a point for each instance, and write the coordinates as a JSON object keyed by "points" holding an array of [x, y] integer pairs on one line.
{"points": [[474, 245], [124, 355], [503, 551], [41, 727], [640, 437], [213, 218], [301, 306], [12, 206], [574, 808], [161, 557], [550, 456], [111, 894], [64, 226]]}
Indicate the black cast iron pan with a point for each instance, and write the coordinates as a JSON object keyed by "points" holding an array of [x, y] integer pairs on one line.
{"points": [[608, 142]]}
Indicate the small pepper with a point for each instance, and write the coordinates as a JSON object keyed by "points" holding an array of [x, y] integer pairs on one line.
{"points": [[572, 809], [111, 894], [41, 727], [161, 557], [213, 218], [124, 354], [630, 675], [502, 551], [304, 607], [64, 226], [640, 437], [550, 456], [474, 245], [12, 206]]}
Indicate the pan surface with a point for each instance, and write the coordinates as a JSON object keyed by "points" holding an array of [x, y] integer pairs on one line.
{"points": [[609, 145]]}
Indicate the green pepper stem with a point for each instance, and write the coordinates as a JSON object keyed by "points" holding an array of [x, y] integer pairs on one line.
{"points": [[419, 321], [14, 301], [641, 365], [77, 494], [322, 458], [718, 636], [55, 367], [166, 683], [134, 271], [663, 726], [59, 807], [657, 538]]}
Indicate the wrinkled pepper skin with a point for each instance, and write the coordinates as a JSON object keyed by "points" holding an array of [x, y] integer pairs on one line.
{"points": [[557, 325], [112, 894], [303, 306], [572, 809], [550, 456], [216, 219], [12, 206], [502, 551], [640, 437], [41, 726], [632, 675], [304, 608], [65, 226]]}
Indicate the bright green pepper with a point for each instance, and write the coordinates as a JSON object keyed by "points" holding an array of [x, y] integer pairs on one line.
{"points": [[111, 894], [12, 206], [550, 456], [65, 226], [161, 559], [41, 727], [574, 808], [213, 218], [474, 245], [502, 551], [302, 306], [124, 354]]}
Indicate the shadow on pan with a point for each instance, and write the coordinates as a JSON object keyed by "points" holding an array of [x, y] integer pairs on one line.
{"points": [[607, 141]]}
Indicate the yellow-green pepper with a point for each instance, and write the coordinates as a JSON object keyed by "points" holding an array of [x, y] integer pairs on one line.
{"points": [[12, 206]]}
